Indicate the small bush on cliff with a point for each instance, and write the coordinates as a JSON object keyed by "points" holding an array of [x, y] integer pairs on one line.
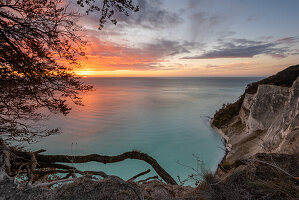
{"points": [[227, 112]]}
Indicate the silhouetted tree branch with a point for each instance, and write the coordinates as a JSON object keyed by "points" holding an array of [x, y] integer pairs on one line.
{"points": [[107, 8], [36, 164], [40, 43]]}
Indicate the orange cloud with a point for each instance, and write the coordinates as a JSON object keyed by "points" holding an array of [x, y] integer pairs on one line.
{"points": [[108, 56]]}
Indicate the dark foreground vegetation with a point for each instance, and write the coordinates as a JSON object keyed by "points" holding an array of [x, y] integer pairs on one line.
{"points": [[228, 111], [264, 176]]}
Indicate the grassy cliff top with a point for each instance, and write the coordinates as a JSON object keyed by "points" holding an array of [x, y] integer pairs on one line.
{"points": [[284, 78]]}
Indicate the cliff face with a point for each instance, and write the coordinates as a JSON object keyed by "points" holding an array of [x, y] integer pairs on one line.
{"points": [[268, 122], [284, 78]]}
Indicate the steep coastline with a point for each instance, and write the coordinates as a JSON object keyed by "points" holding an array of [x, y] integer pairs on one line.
{"points": [[261, 133], [267, 122], [284, 78]]}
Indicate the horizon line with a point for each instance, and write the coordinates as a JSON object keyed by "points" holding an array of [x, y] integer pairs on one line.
{"points": [[86, 76]]}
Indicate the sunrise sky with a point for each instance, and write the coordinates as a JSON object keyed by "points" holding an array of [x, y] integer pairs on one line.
{"points": [[195, 38]]}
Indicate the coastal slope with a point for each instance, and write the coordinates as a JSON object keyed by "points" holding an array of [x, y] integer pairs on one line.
{"points": [[267, 121]]}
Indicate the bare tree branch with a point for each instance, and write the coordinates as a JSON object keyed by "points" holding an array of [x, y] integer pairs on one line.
{"points": [[140, 174]]}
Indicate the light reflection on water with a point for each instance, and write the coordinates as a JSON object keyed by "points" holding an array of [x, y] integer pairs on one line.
{"points": [[158, 116]]}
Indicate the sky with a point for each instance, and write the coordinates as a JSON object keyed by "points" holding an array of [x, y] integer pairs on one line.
{"points": [[191, 38]]}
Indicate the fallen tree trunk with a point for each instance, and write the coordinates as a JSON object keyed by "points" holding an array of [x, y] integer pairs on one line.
{"points": [[51, 159], [36, 163]]}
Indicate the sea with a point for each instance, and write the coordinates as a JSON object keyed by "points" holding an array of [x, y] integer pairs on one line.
{"points": [[167, 118]]}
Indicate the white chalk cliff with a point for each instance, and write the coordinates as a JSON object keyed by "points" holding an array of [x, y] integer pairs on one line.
{"points": [[268, 122]]}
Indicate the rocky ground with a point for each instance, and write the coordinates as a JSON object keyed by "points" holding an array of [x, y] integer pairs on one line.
{"points": [[264, 176], [112, 188]]}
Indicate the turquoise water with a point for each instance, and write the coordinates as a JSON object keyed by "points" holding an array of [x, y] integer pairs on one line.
{"points": [[164, 117]]}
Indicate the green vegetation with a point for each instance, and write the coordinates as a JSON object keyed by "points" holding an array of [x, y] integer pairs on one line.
{"points": [[283, 78], [227, 112]]}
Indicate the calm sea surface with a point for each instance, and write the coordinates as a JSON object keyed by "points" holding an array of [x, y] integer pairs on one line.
{"points": [[164, 117]]}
